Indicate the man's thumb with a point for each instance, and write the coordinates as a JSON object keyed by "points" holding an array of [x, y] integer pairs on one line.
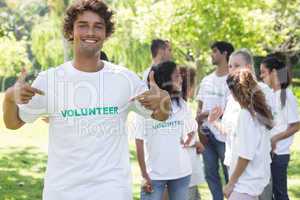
{"points": [[23, 75]]}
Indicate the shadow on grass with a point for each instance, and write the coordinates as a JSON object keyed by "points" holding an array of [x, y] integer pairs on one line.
{"points": [[21, 173]]}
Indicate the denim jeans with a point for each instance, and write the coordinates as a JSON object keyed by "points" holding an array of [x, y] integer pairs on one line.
{"points": [[279, 167], [177, 189], [213, 154]]}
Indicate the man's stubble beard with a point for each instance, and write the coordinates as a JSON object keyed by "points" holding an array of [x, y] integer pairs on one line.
{"points": [[89, 51]]}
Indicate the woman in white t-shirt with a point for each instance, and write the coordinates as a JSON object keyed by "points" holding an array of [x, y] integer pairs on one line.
{"points": [[161, 146], [287, 122], [249, 167]]}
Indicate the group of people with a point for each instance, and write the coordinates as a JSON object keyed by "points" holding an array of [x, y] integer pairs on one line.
{"points": [[244, 125]]}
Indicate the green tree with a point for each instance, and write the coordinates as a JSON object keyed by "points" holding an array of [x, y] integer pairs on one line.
{"points": [[47, 42], [13, 57]]}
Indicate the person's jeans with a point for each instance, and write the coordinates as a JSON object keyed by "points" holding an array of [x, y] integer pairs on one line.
{"points": [[279, 167], [177, 189], [213, 153]]}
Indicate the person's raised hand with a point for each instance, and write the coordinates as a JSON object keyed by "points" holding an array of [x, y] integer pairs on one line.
{"points": [[21, 92]]}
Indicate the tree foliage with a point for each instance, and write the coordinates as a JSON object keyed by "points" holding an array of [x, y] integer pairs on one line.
{"points": [[192, 25], [13, 57], [47, 42]]}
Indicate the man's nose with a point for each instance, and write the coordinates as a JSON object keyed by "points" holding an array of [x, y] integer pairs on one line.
{"points": [[91, 31]]}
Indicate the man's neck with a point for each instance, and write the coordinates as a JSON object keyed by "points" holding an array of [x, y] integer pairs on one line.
{"points": [[88, 63], [222, 69], [156, 61]]}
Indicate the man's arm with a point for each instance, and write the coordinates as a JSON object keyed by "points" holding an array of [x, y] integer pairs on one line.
{"points": [[156, 100], [201, 116], [20, 93], [10, 112]]}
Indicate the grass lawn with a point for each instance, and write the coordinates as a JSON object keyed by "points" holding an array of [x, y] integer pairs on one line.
{"points": [[23, 156]]}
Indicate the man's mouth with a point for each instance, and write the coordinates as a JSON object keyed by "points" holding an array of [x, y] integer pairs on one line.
{"points": [[90, 41]]}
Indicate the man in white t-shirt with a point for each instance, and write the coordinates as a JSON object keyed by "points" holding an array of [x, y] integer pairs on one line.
{"points": [[213, 92], [87, 101], [161, 51]]}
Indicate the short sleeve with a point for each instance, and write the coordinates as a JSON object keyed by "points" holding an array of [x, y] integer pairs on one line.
{"points": [[138, 87], [248, 136], [292, 108], [37, 106]]}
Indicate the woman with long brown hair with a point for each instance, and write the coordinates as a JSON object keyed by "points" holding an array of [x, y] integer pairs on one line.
{"points": [[249, 167]]}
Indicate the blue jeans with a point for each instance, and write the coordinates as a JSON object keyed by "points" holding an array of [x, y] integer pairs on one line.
{"points": [[279, 167], [177, 189], [213, 154]]}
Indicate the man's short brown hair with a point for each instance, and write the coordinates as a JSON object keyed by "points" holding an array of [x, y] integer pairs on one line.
{"points": [[78, 7]]}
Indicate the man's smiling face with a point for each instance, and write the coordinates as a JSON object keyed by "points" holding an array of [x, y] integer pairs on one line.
{"points": [[89, 33]]}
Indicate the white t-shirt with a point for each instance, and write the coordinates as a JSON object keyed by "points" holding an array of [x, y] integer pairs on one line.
{"points": [[283, 116], [231, 114], [213, 91], [251, 141], [88, 155], [165, 156]]}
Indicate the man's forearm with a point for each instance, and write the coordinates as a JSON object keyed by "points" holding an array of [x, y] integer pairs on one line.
{"points": [[10, 114], [201, 116]]}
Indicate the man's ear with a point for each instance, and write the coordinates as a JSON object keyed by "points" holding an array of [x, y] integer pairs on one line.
{"points": [[71, 38], [225, 53]]}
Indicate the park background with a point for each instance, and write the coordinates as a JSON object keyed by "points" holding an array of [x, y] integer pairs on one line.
{"points": [[31, 37]]}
